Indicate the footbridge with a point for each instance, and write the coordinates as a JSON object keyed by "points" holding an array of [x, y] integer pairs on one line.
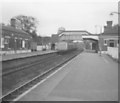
{"points": [[91, 40]]}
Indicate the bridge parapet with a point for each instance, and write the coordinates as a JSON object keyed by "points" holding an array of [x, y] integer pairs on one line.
{"points": [[90, 37]]}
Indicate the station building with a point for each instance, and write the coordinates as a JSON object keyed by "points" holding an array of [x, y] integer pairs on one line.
{"points": [[109, 40], [13, 39], [110, 37]]}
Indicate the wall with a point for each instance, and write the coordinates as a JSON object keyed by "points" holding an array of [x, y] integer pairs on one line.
{"points": [[13, 52], [108, 39], [13, 40]]}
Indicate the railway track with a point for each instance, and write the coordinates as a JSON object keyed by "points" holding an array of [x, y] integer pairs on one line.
{"points": [[55, 61], [24, 65], [22, 74], [12, 66]]}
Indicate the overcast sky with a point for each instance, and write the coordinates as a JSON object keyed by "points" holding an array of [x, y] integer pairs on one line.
{"points": [[71, 14]]}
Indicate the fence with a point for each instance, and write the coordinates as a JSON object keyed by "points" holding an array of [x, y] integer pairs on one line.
{"points": [[113, 51], [13, 52]]}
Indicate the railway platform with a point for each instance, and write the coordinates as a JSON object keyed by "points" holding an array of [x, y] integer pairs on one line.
{"points": [[23, 55], [87, 77]]}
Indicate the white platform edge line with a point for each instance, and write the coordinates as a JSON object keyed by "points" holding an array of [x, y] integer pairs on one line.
{"points": [[105, 59]]}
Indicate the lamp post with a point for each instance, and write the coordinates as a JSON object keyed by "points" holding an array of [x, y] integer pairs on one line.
{"points": [[118, 13], [99, 41], [112, 13]]}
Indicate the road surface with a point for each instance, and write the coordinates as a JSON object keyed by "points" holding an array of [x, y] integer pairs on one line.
{"points": [[88, 77]]}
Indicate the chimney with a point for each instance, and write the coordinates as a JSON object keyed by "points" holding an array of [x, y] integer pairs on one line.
{"points": [[16, 23], [109, 23], [13, 22]]}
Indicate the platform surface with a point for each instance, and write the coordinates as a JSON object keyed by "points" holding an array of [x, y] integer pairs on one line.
{"points": [[23, 55], [88, 77]]}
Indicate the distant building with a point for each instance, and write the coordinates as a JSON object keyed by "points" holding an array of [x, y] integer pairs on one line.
{"points": [[54, 38], [46, 40], [109, 38], [90, 41], [71, 35]]}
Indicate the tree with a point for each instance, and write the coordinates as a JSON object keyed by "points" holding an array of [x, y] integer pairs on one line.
{"points": [[28, 23]]}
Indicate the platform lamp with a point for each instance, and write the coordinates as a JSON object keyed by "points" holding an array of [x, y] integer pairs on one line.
{"points": [[100, 40], [118, 13], [112, 13]]}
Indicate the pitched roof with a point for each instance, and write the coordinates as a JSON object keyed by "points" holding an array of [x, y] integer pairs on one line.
{"points": [[12, 29]]}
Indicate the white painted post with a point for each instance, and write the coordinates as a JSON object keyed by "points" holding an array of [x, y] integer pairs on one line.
{"points": [[2, 43]]}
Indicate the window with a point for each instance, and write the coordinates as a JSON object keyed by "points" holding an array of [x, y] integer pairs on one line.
{"points": [[105, 42], [111, 44], [6, 41], [118, 44], [23, 44]]}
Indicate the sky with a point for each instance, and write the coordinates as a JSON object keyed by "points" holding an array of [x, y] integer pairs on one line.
{"points": [[89, 15]]}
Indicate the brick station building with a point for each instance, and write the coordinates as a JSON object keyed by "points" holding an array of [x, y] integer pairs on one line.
{"points": [[110, 37], [13, 38]]}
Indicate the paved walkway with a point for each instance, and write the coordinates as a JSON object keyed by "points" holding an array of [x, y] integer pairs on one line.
{"points": [[88, 77]]}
